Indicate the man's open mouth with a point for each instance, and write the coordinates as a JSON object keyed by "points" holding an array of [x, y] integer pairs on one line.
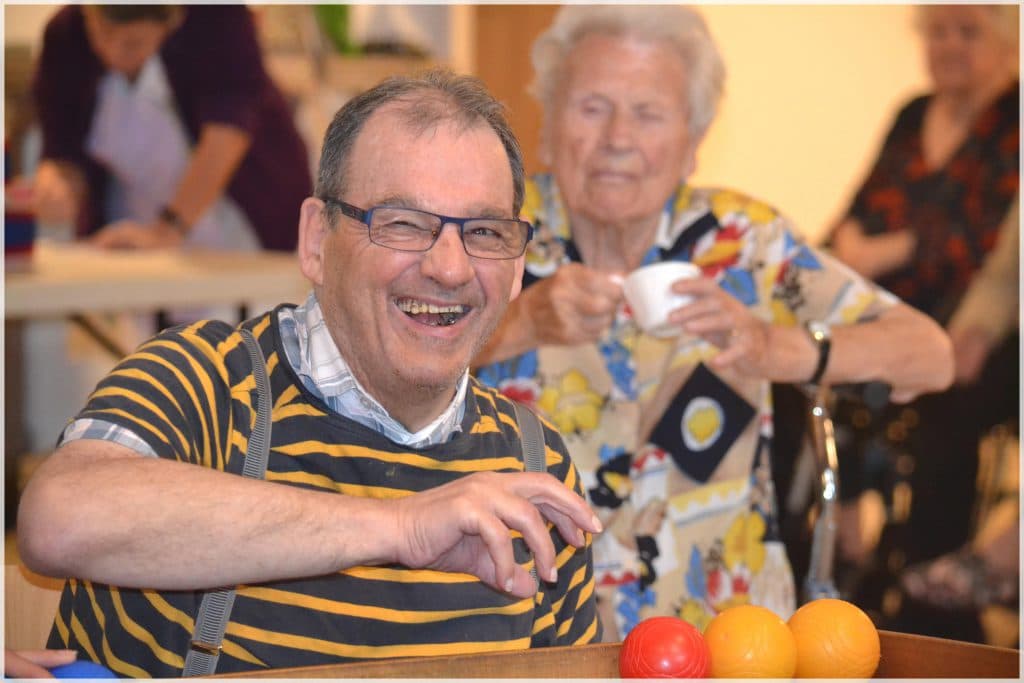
{"points": [[432, 314]]}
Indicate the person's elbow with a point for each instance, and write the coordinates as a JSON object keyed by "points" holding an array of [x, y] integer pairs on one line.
{"points": [[932, 365], [45, 528]]}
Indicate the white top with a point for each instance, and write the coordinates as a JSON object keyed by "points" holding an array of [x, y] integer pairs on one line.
{"points": [[139, 136]]}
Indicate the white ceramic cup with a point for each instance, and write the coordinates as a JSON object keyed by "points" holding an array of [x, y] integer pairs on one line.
{"points": [[649, 292]]}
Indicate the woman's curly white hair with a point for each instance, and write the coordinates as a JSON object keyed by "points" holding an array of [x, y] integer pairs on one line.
{"points": [[681, 27]]}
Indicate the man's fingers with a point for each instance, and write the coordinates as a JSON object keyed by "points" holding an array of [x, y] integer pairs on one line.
{"points": [[494, 533], [524, 516], [549, 500], [542, 489], [568, 528]]}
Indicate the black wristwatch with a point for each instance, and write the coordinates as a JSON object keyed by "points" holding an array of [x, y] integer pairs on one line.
{"points": [[173, 219], [821, 334]]}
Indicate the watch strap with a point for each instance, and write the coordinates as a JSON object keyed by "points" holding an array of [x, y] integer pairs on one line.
{"points": [[823, 340], [173, 219]]}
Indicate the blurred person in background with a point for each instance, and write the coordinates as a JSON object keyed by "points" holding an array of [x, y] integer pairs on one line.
{"points": [[922, 225], [161, 128], [986, 570], [673, 436]]}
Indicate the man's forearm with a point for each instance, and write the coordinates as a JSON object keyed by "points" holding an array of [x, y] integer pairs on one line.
{"points": [[155, 523]]}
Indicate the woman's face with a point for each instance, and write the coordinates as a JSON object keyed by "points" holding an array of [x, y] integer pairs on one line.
{"points": [[124, 47], [618, 135], [964, 48]]}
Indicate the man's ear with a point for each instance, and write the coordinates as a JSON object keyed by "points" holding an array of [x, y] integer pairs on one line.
{"points": [[313, 231]]}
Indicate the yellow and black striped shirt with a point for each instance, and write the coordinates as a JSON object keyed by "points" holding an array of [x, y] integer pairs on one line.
{"points": [[190, 394]]}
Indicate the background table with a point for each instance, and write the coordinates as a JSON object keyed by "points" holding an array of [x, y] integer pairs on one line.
{"points": [[80, 283], [64, 279], [903, 656]]}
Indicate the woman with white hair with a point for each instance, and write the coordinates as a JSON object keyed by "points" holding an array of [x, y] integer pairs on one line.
{"points": [[672, 436]]}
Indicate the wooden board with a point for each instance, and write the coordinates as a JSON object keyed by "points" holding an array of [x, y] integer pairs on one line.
{"points": [[903, 656], [30, 602]]}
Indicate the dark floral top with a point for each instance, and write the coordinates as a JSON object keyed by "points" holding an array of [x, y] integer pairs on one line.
{"points": [[955, 210]]}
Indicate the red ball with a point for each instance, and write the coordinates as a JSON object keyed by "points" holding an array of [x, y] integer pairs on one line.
{"points": [[664, 647]]}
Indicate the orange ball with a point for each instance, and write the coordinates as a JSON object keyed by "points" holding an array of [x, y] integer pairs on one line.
{"points": [[747, 641], [834, 639]]}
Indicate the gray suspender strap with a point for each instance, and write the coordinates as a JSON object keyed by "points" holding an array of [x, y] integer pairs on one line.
{"points": [[215, 608], [533, 447], [533, 439]]}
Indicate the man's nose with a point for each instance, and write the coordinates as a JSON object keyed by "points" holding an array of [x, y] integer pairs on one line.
{"points": [[447, 261]]}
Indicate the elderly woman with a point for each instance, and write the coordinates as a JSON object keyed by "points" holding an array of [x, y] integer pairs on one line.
{"points": [[673, 436], [924, 222]]}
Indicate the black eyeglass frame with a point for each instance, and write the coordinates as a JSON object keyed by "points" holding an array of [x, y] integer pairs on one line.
{"points": [[365, 216]]}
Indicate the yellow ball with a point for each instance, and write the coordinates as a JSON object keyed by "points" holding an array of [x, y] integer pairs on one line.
{"points": [[834, 639], [747, 641]]}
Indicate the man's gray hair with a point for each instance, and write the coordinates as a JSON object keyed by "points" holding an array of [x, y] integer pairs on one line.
{"points": [[424, 102], [681, 27]]}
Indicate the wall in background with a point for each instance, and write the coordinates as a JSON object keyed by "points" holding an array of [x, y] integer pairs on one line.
{"points": [[810, 92], [24, 23]]}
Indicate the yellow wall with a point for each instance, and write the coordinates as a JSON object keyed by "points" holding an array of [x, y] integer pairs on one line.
{"points": [[810, 92]]}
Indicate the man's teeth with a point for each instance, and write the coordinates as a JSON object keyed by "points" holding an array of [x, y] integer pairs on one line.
{"points": [[416, 308]]}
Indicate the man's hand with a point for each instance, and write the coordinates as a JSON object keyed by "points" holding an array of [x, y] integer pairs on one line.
{"points": [[466, 525], [722, 320], [128, 234], [576, 305], [35, 663]]}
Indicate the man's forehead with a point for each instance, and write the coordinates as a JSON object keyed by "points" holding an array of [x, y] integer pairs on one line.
{"points": [[395, 162], [404, 118]]}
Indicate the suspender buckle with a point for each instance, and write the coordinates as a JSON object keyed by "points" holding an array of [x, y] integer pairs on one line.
{"points": [[205, 648]]}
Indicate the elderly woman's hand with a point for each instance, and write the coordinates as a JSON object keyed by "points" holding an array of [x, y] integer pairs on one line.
{"points": [[718, 317], [576, 305]]}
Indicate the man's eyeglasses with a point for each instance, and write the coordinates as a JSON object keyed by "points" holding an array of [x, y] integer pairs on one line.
{"points": [[415, 230]]}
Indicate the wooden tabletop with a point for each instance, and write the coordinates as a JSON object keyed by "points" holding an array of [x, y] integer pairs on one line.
{"points": [[63, 279], [903, 656]]}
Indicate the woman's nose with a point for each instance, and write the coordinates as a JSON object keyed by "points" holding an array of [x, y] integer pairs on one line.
{"points": [[619, 130]]}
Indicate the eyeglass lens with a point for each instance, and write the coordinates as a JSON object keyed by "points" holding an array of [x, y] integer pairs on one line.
{"points": [[411, 230]]}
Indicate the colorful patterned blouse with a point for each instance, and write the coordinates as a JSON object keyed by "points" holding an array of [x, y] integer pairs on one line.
{"points": [[675, 456], [955, 210]]}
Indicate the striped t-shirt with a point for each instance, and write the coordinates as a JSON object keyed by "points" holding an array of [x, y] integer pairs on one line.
{"points": [[190, 394]]}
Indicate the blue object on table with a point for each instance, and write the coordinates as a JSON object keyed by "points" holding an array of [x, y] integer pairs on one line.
{"points": [[82, 669]]}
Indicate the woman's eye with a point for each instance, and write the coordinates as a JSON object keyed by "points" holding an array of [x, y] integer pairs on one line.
{"points": [[592, 108], [650, 116]]}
